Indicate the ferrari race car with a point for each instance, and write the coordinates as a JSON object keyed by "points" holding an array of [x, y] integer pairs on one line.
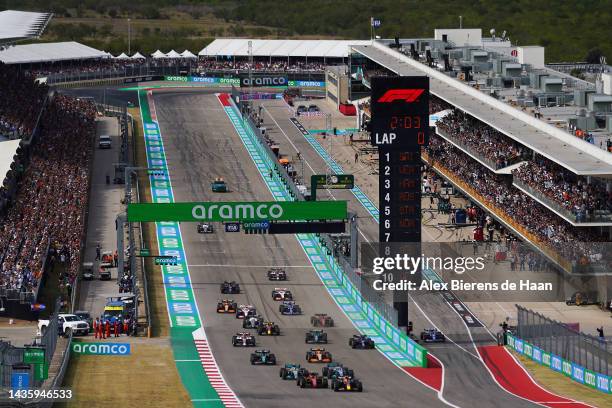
{"points": [[312, 380], [230, 287], [245, 311], [218, 185], [432, 336], [347, 383], [226, 306], [316, 337], [263, 357], [290, 308], [243, 339], [205, 228], [336, 370], [322, 320], [268, 329], [292, 371], [281, 294], [277, 274], [252, 322], [361, 341], [318, 355]]}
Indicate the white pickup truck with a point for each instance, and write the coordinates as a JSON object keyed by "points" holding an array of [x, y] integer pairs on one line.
{"points": [[67, 323]]}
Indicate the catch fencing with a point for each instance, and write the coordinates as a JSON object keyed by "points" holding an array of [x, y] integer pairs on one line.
{"points": [[590, 352]]}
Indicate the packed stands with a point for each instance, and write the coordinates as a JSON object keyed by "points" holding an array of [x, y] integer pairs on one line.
{"points": [[48, 207], [497, 191], [497, 149], [564, 188], [260, 66]]}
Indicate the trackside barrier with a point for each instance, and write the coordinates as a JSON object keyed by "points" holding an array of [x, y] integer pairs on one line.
{"points": [[416, 353], [574, 371]]}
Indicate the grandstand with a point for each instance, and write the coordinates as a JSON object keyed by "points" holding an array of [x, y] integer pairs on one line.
{"points": [[525, 143]]}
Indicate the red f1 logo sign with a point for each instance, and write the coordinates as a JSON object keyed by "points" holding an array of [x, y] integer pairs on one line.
{"points": [[408, 95]]}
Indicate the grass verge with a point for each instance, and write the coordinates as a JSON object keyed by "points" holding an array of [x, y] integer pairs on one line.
{"points": [[559, 384], [148, 377]]}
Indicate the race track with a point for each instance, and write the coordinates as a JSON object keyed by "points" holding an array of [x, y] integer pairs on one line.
{"points": [[200, 144]]}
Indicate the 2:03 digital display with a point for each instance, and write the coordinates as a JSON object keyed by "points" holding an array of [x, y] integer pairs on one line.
{"points": [[405, 122]]}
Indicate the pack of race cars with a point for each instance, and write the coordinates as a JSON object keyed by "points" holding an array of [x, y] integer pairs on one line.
{"points": [[334, 375]]}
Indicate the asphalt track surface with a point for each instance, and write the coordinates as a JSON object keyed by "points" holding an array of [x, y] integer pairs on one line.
{"points": [[201, 144], [467, 381]]}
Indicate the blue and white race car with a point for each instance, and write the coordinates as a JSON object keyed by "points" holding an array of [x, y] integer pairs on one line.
{"points": [[336, 370], [432, 336], [361, 341], [289, 307]]}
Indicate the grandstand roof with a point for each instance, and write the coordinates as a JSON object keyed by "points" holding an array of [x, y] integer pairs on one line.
{"points": [[20, 25], [239, 47], [8, 148], [570, 152], [49, 52]]}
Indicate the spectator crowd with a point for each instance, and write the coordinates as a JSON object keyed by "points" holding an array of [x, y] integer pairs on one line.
{"points": [[545, 225], [486, 142], [48, 206], [208, 64], [565, 189]]}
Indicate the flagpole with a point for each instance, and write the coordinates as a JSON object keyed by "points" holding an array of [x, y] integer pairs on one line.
{"points": [[372, 29]]}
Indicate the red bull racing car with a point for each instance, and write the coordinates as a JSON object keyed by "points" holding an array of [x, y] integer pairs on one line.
{"points": [[282, 294], [245, 311], [268, 329], [322, 320], [312, 380], [226, 306], [277, 274], [263, 357], [361, 341], [318, 355], [243, 339], [347, 383], [230, 287]]}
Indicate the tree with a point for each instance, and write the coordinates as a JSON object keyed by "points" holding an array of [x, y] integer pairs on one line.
{"points": [[112, 13], [594, 55]]}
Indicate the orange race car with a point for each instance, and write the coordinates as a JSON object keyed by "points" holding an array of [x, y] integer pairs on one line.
{"points": [[226, 306], [318, 355]]}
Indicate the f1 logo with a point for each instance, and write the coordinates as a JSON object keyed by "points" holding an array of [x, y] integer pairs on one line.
{"points": [[408, 95]]}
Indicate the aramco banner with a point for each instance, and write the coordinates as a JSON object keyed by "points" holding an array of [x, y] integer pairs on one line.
{"points": [[239, 211]]}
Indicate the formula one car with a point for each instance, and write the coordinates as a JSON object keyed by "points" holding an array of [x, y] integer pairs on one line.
{"points": [[226, 306], [243, 339], [277, 274], [322, 320], [282, 294], [263, 357], [312, 380], [316, 337], [290, 308], [336, 370], [218, 185], [292, 371], [361, 341], [432, 336], [205, 228], [318, 355], [268, 329], [252, 322], [347, 383], [230, 287], [245, 311]]}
